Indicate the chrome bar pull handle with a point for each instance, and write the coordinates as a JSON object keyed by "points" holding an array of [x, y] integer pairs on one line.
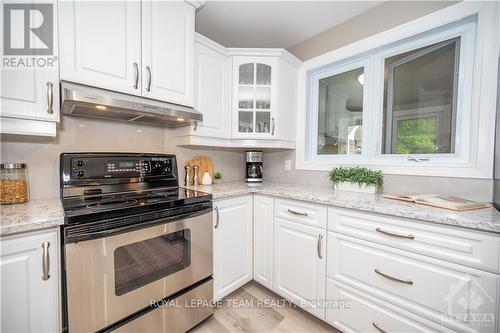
{"points": [[378, 328], [136, 75], [273, 123], [393, 234], [50, 98], [45, 261], [216, 217], [320, 238], [296, 212], [392, 278], [148, 72]]}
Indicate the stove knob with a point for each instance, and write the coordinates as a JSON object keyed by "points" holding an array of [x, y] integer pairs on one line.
{"points": [[80, 163], [81, 174]]}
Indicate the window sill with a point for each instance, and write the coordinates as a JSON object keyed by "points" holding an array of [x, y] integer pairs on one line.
{"points": [[423, 168]]}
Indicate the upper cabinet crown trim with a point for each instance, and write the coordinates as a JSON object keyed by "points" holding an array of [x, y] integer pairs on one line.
{"points": [[199, 38], [266, 52]]}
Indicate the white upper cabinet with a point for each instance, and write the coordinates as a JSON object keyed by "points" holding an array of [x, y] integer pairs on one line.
{"points": [[30, 95], [211, 88], [264, 91], [256, 109], [167, 50], [140, 48], [254, 96], [100, 44]]}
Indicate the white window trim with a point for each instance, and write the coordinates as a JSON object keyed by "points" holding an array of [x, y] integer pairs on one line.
{"points": [[477, 164]]}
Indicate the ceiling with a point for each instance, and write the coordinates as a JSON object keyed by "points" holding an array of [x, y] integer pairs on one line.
{"points": [[273, 23]]}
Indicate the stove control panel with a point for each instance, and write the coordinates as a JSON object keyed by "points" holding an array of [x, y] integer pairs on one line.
{"points": [[83, 168]]}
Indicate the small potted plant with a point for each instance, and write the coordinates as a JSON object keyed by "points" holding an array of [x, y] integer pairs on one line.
{"points": [[217, 177], [357, 179]]}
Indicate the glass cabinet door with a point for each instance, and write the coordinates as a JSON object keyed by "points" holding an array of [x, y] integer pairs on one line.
{"points": [[254, 98]]}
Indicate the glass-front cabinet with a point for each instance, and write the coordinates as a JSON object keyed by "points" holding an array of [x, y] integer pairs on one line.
{"points": [[254, 103]]}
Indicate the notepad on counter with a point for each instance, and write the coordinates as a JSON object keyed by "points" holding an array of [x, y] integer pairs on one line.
{"points": [[440, 201]]}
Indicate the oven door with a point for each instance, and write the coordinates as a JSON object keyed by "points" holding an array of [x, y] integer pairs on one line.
{"points": [[110, 278]]}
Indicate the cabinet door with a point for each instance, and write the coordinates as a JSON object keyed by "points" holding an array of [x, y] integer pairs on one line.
{"points": [[299, 264], [263, 240], [100, 44], [168, 44], [31, 92], [30, 303], [232, 244], [254, 102], [211, 91]]}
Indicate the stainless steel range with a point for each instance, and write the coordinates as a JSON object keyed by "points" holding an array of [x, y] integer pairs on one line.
{"points": [[133, 241]]}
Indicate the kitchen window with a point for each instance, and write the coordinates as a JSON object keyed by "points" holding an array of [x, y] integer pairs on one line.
{"points": [[409, 106], [420, 100], [340, 113]]}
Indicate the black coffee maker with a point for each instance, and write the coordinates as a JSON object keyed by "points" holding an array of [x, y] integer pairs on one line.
{"points": [[253, 167]]}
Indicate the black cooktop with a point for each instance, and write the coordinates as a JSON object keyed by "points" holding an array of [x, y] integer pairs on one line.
{"points": [[90, 208]]}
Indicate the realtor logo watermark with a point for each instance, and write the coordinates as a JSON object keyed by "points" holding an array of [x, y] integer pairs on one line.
{"points": [[468, 302], [28, 35]]}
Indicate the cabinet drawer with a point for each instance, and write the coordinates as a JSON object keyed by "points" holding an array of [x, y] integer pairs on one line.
{"points": [[469, 248], [301, 212], [428, 287], [364, 313]]}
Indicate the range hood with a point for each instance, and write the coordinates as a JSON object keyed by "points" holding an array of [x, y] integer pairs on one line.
{"points": [[85, 101]]}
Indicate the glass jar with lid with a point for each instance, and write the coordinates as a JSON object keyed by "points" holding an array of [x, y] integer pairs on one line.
{"points": [[13, 183]]}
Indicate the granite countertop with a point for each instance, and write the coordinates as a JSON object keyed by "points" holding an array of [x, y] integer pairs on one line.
{"points": [[42, 214], [31, 216], [487, 219]]}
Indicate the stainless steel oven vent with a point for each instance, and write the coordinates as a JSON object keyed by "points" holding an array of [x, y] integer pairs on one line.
{"points": [[80, 100]]}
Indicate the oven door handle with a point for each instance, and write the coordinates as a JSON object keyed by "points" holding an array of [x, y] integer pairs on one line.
{"points": [[83, 236]]}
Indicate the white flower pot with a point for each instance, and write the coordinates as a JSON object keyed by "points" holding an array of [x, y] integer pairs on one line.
{"points": [[355, 187]]}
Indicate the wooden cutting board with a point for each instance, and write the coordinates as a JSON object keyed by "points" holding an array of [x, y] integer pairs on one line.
{"points": [[205, 164]]}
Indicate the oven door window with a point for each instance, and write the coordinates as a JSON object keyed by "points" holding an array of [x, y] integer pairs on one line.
{"points": [[140, 263]]}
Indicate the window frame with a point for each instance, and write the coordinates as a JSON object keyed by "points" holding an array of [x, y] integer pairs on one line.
{"points": [[314, 105], [473, 154], [466, 31]]}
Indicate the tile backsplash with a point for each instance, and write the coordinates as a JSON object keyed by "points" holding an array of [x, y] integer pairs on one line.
{"points": [[93, 135]]}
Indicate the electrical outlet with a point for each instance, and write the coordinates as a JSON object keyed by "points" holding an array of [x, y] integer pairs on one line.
{"points": [[288, 165]]}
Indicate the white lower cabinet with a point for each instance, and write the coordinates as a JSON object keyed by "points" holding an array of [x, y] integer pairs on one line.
{"points": [[354, 311], [460, 298], [232, 244], [30, 282], [364, 276], [300, 264], [263, 240]]}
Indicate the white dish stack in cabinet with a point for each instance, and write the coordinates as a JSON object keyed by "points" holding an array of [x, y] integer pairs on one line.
{"points": [[232, 244], [143, 48], [30, 95]]}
